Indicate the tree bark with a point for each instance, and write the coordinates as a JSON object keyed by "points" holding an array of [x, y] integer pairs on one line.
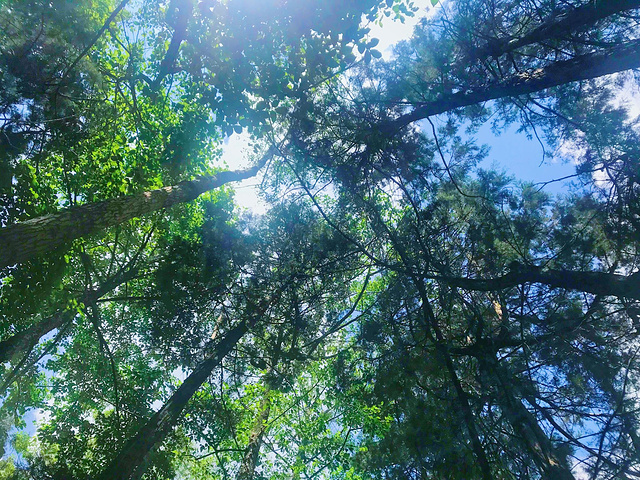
{"points": [[129, 464], [252, 452], [22, 342], [564, 22], [597, 283], [23, 241], [615, 59]]}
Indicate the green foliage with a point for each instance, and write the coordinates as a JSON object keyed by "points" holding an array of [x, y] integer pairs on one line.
{"points": [[411, 313]]}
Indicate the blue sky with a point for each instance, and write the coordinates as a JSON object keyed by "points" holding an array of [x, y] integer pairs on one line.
{"points": [[520, 156], [511, 151], [523, 158]]}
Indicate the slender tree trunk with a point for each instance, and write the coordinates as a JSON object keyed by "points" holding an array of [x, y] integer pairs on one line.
{"points": [[525, 425], [432, 328], [527, 428], [563, 23], [23, 342], [597, 283], [182, 13], [431, 324], [252, 452], [129, 464], [104, 28], [26, 240], [615, 59]]}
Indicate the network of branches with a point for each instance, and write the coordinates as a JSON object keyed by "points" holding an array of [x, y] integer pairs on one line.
{"points": [[403, 308]]}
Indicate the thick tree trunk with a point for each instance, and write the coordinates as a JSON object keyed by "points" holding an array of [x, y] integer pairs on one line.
{"points": [[564, 23], [252, 452], [597, 283], [584, 67], [26, 240], [23, 342], [129, 464]]}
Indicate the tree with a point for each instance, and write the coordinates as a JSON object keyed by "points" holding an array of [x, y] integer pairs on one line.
{"points": [[25, 240], [401, 311]]}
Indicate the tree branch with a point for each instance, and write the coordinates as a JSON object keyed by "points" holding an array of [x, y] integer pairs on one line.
{"points": [[597, 283], [584, 67]]}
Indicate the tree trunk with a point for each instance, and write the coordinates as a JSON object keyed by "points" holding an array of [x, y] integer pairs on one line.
{"points": [[525, 425], [26, 240], [252, 452], [584, 67], [563, 23], [182, 12], [431, 325], [22, 342], [129, 464], [597, 283]]}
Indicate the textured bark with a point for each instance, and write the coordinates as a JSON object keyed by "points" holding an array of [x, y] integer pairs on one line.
{"points": [[26, 240], [565, 22], [129, 464], [597, 283], [23, 342], [615, 59], [252, 452]]}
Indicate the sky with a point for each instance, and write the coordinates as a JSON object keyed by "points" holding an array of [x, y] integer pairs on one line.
{"points": [[511, 151], [236, 150]]}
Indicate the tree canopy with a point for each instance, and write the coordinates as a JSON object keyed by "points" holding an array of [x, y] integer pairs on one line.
{"points": [[403, 309]]}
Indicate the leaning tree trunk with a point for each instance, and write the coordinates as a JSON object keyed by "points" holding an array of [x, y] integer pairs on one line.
{"points": [[129, 464], [552, 465], [597, 283], [560, 25], [181, 22], [23, 342], [26, 240], [610, 60], [432, 328], [252, 452]]}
